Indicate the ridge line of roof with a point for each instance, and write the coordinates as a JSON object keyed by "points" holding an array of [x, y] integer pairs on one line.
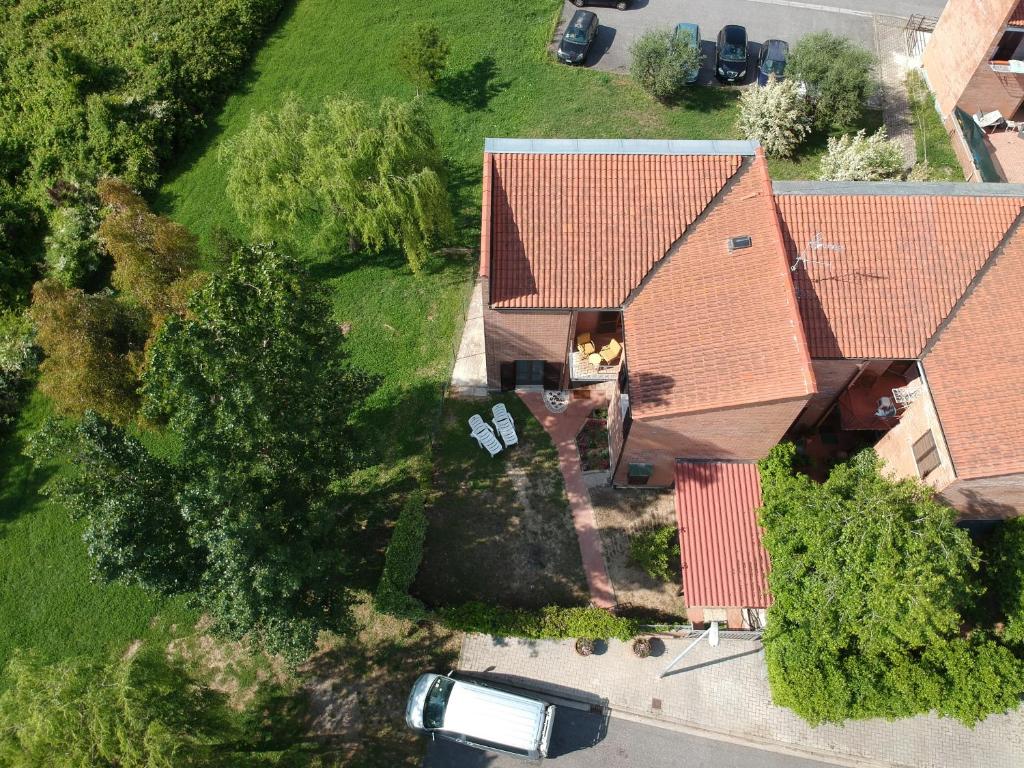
{"points": [[975, 281], [898, 188], [618, 146], [676, 244]]}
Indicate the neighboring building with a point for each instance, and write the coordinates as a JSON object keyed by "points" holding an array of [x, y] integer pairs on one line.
{"points": [[738, 311], [974, 63]]}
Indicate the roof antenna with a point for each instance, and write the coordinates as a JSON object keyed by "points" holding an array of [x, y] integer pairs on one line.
{"points": [[815, 244]]}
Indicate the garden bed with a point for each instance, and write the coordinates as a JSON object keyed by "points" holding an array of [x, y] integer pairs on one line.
{"points": [[592, 442]]}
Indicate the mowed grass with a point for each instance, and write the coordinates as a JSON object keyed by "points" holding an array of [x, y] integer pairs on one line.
{"points": [[49, 602]]}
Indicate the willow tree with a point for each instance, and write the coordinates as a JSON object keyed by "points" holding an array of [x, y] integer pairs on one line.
{"points": [[344, 176]]}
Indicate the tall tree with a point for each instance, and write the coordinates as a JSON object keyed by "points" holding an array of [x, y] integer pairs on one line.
{"points": [[140, 711], [870, 579], [134, 528], [343, 175], [254, 383], [93, 346], [839, 78]]}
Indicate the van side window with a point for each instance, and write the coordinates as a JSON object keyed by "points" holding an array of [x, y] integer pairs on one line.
{"points": [[437, 702]]}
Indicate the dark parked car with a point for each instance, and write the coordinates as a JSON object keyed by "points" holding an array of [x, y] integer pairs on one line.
{"points": [[620, 4], [578, 37], [731, 58], [772, 61]]}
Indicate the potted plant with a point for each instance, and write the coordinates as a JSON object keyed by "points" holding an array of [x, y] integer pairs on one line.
{"points": [[642, 647], [584, 646]]}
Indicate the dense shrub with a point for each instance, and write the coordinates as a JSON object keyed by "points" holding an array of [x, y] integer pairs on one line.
{"points": [[871, 579], [654, 550], [838, 75], [775, 116], [1006, 577], [72, 248], [551, 622], [862, 158], [402, 561], [20, 231], [424, 55], [661, 63], [93, 87]]}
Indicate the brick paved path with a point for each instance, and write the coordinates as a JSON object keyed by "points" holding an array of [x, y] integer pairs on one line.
{"points": [[563, 428], [724, 690], [893, 63]]}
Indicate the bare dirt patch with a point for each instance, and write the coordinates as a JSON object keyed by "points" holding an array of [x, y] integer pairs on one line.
{"points": [[620, 513]]}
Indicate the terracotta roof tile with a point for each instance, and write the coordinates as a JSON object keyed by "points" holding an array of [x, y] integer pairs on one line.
{"points": [[713, 328], [582, 230], [883, 271], [1016, 16], [724, 562], [975, 367]]}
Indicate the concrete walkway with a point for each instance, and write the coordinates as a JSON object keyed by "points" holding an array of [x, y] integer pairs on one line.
{"points": [[563, 428], [724, 691], [469, 376]]}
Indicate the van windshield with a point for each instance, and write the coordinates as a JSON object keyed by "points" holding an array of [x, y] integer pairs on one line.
{"points": [[437, 702]]}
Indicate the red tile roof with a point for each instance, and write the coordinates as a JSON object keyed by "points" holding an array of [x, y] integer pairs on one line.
{"points": [[1017, 16], [724, 562], [884, 270], [713, 328], [582, 230], [975, 368]]}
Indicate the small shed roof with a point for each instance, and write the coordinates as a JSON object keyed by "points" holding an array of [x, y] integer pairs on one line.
{"points": [[724, 562]]}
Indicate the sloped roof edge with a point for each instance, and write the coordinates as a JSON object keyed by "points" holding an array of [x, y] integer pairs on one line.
{"points": [[897, 188], [618, 147]]}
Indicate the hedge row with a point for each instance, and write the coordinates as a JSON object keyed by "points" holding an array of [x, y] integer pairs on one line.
{"points": [[402, 561], [551, 622]]}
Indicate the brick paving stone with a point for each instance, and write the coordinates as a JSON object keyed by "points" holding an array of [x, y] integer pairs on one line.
{"points": [[725, 690], [893, 63], [563, 428]]}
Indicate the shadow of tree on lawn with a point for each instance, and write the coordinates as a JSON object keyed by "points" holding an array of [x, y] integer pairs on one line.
{"points": [[472, 88]]}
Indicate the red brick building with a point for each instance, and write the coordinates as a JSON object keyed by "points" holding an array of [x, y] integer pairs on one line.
{"points": [[737, 311], [974, 63]]}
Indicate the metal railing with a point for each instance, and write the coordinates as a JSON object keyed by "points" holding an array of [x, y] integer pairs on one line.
{"points": [[917, 31]]}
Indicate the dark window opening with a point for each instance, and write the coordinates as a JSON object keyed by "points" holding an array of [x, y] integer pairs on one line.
{"points": [[639, 474], [1008, 45], [926, 454]]}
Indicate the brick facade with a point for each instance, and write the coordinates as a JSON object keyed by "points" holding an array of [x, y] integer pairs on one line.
{"points": [[958, 54], [511, 335], [746, 433]]}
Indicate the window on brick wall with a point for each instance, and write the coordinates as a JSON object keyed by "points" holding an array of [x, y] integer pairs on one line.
{"points": [[926, 454], [529, 373]]}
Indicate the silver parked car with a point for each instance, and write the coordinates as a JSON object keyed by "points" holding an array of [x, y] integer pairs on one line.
{"points": [[477, 715]]}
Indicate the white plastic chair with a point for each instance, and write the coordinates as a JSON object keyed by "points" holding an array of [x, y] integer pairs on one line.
{"points": [[505, 424], [486, 439], [476, 423]]}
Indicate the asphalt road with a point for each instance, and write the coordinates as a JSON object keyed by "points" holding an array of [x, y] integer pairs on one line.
{"points": [[764, 19], [585, 740]]}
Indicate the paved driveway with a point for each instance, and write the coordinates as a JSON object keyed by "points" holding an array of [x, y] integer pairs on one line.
{"points": [[785, 19], [620, 743]]}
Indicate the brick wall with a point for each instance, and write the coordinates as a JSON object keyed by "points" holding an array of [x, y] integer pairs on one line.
{"points": [[987, 498], [746, 433], [614, 425], [896, 448], [522, 335], [956, 58]]}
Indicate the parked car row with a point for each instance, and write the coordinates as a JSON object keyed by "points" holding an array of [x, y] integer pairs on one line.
{"points": [[731, 46]]}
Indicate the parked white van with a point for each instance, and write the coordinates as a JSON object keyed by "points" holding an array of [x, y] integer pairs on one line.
{"points": [[477, 715]]}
